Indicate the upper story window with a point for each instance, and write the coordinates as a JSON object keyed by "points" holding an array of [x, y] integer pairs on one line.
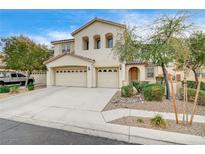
{"points": [[66, 48], [109, 40], [97, 42], [85, 40], [149, 72]]}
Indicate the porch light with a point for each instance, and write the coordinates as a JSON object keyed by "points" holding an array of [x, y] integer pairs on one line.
{"points": [[88, 68]]}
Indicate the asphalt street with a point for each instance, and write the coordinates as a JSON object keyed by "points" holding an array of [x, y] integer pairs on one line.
{"points": [[16, 133]]}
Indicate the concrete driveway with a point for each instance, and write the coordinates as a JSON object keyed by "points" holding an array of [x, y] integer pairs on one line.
{"points": [[65, 105]]}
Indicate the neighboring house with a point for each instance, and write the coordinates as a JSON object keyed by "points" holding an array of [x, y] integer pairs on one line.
{"points": [[88, 60]]}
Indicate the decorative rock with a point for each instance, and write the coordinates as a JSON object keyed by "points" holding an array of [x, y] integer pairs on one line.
{"points": [[134, 91], [134, 99]]}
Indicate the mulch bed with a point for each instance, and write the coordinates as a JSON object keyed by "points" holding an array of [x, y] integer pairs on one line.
{"points": [[165, 106], [195, 129]]}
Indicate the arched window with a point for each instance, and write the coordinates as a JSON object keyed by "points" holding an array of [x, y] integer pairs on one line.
{"points": [[85, 41], [109, 40], [97, 42]]}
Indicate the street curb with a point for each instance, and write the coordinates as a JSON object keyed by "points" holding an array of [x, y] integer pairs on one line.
{"points": [[138, 137]]}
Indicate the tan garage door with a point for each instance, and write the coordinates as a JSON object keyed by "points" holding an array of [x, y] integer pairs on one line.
{"points": [[74, 77], [108, 77]]}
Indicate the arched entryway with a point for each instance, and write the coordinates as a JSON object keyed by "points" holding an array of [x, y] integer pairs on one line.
{"points": [[134, 74]]}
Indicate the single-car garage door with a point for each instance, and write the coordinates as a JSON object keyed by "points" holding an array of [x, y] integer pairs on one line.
{"points": [[71, 76], [108, 77]]}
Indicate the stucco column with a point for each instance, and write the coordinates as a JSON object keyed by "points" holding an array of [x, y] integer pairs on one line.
{"points": [[50, 77], [121, 75], [142, 73], [103, 41], [89, 76], [91, 43], [94, 84]]}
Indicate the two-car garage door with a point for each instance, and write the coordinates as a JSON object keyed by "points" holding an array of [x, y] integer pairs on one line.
{"points": [[77, 77], [71, 76]]}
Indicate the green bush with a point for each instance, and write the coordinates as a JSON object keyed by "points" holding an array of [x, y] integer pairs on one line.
{"points": [[127, 91], [30, 86], [140, 85], [139, 120], [14, 88], [192, 84], [153, 92], [159, 79], [4, 89], [158, 121], [191, 93]]}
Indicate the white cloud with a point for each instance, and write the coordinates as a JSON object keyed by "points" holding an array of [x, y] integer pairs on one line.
{"points": [[49, 36], [40, 39], [135, 19], [59, 35], [142, 22]]}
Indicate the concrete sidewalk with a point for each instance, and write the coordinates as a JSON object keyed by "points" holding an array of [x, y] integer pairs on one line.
{"points": [[54, 108], [117, 132]]}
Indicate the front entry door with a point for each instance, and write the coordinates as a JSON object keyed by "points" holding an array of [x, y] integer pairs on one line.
{"points": [[134, 74]]}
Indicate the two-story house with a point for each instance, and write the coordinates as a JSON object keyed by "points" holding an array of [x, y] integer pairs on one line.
{"points": [[88, 60]]}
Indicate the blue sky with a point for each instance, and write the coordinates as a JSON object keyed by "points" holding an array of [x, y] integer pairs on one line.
{"points": [[44, 26]]}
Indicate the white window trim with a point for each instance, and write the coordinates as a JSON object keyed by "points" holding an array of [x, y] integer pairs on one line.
{"points": [[146, 72]]}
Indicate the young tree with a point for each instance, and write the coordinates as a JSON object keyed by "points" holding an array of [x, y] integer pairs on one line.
{"points": [[23, 54], [158, 48], [128, 45], [197, 52]]}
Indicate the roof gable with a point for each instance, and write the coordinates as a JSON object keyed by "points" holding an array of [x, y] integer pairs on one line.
{"points": [[97, 20], [69, 54]]}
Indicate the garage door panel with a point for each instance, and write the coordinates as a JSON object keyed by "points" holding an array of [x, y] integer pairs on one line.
{"points": [[108, 77], [71, 77]]}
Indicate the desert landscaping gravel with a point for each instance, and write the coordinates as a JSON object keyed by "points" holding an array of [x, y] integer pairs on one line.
{"points": [[165, 106], [195, 129]]}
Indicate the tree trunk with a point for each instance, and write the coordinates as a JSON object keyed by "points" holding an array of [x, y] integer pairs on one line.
{"points": [[196, 77], [27, 78], [166, 81]]}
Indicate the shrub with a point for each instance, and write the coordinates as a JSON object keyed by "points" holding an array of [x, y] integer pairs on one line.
{"points": [[159, 79], [153, 92], [193, 84], [30, 86], [127, 91], [158, 121], [139, 85], [191, 93], [4, 89], [140, 120], [14, 88]]}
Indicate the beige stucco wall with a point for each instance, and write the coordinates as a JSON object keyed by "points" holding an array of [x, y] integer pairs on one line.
{"points": [[102, 56], [141, 73], [59, 47], [69, 61], [39, 77]]}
